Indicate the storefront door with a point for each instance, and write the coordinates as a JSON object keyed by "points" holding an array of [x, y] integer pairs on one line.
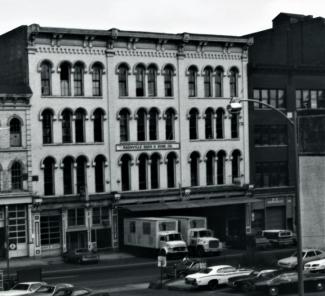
{"points": [[77, 239]]}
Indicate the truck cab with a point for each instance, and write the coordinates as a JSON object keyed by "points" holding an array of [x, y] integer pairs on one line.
{"points": [[204, 241], [171, 242]]}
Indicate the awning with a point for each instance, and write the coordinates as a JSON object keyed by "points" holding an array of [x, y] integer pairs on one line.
{"points": [[187, 204]]}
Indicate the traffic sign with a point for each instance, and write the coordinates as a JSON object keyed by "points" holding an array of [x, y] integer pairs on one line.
{"points": [[162, 261]]}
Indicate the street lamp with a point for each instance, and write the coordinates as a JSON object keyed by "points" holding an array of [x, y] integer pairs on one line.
{"points": [[235, 106]]}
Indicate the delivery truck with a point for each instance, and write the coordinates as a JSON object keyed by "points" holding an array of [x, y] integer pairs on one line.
{"points": [[154, 234]]}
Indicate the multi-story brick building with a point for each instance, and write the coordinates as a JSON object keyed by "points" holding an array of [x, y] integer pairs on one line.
{"points": [[130, 123]]}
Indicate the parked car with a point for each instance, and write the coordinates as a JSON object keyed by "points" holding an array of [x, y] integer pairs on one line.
{"points": [[280, 237], [185, 267], [258, 242], [315, 266], [23, 288], [80, 256], [67, 291], [245, 283], [307, 256], [49, 290], [288, 282], [215, 275]]}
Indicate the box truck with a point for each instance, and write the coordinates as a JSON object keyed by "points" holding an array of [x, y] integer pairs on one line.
{"points": [[158, 234]]}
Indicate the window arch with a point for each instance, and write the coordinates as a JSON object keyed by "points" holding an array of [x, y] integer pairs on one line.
{"points": [[81, 169], [96, 76], [143, 171], [210, 167], [168, 80], [100, 161], [47, 126], [171, 169], [46, 75], [15, 132], [78, 79], [153, 124], [221, 156], [219, 82], [66, 116], [98, 125], [155, 170], [65, 80], [192, 83], [207, 75], [142, 123], [170, 116], [235, 167], [80, 121], [152, 81], [220, 131], [123, 72], [194, 168], [49, 166], [209, 114], [234, 125], [193, 122], [16, 176], [68, 175], [233, 79], [140, 80], [126, 162], [124, 117]]}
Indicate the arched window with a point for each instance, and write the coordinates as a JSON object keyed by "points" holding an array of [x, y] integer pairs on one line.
{"points": [[97, 72], [155, 171], [80, 125], [152, 81], [123, 80], [47, 126], [170, 124], [233, 82], [221, 167], [194, 164], [65, 70], [100, 173], [16, 176], [140, 79], [46, 71], [219, 82], [126, 172], [235, 167], [67, 126], [98, 125], [68, 179], [234, 125], [49, 164], [153, 124], [142, 122], [192, 85], [168, 80], [210, 167], [143, 171], [193, 121], [209, 123], [78, 79], [220, 123], [124, 125], [171, 170], [208, 82], [15, 132], [81, 174]]}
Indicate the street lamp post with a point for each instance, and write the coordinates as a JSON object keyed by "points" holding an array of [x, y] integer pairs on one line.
{"points": [[235, 107]]}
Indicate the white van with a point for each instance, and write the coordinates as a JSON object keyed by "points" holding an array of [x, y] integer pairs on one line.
{"points": [[280, 237]]}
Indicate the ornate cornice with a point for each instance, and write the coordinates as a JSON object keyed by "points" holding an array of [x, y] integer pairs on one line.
{"points": [[145, 53], [220, 56], [71, 50]]}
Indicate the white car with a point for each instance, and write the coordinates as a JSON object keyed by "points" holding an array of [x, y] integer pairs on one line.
{"points": [[214, 276], [23, 289], [315, 266]]}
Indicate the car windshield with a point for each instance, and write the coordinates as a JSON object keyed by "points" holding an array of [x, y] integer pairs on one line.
{"points": [[21, 287], [295, 254], [174, 237], [45, 289], [206, 270], [205, 233]]}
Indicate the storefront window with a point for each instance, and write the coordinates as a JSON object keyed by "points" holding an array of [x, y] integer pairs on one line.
{"points": [[17, 224], [76, 217]]}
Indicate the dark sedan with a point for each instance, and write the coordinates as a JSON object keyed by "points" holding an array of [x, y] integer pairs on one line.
{"points": [[288, 283], [185, 267], [81, 256]]}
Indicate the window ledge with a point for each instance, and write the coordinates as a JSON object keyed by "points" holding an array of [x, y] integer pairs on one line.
{"points": [[74, 144], [214, 140], [209, 98], [72, 97], [147, 97], [271, 146]]}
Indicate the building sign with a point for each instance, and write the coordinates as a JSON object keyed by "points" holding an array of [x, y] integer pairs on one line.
{"points": [[275, 201], [146, 146]]}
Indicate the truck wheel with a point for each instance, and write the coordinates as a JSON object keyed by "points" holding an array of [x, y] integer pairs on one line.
{"points": [[273, 291], [213, 284], [320, 286], [200, 251]]}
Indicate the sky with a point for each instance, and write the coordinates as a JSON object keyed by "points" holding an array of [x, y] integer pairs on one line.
{"points": [[220, 17]]}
